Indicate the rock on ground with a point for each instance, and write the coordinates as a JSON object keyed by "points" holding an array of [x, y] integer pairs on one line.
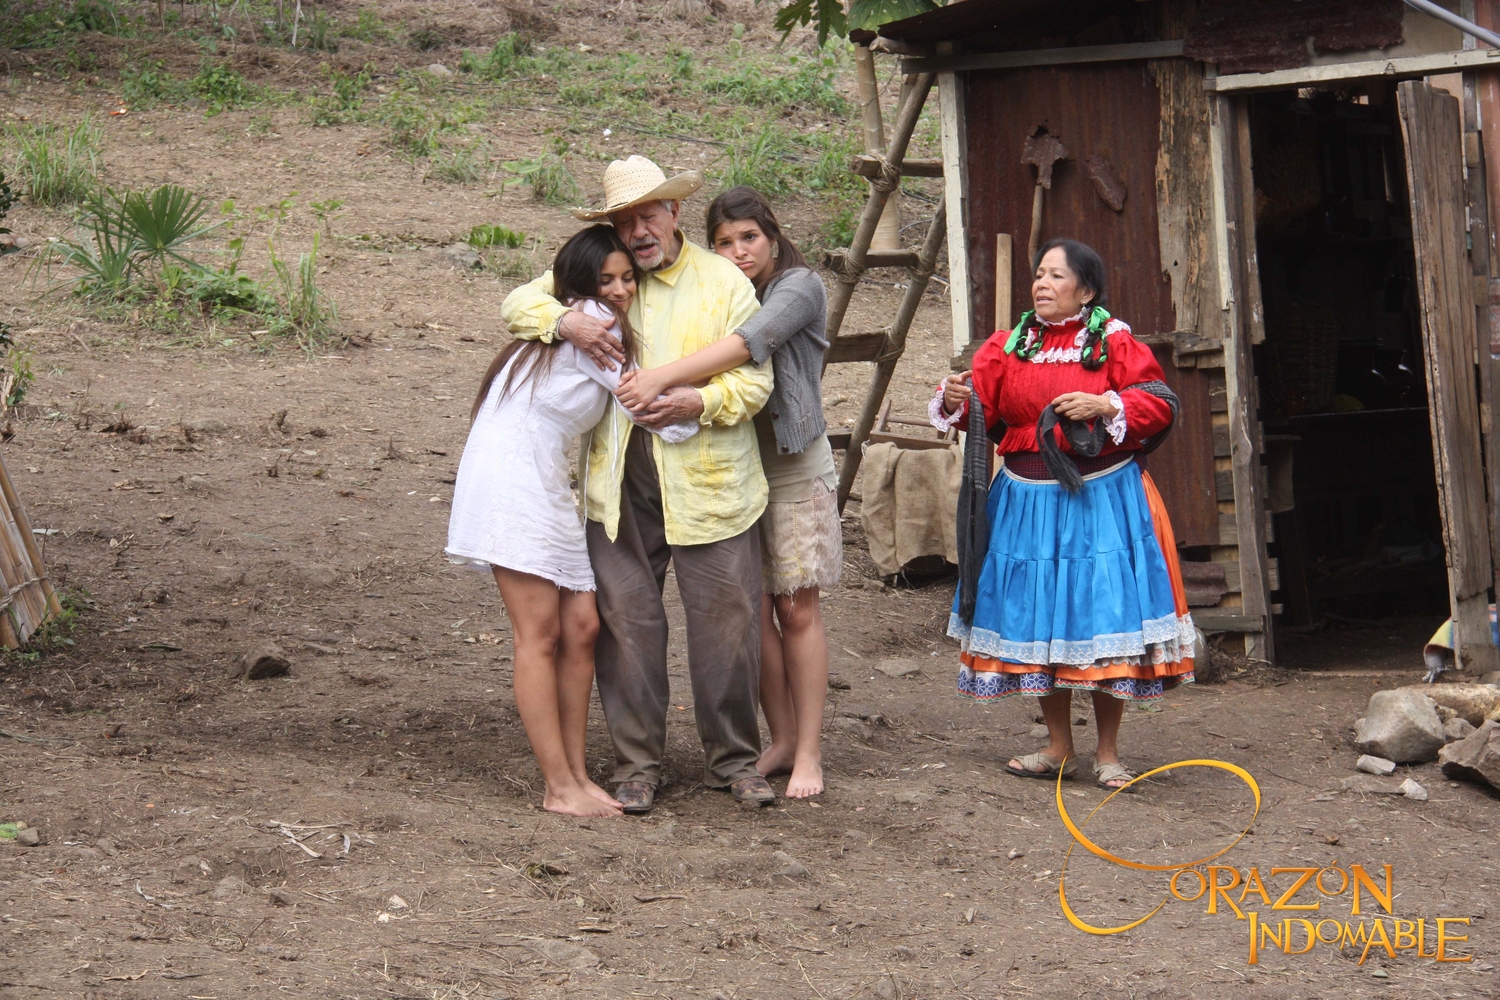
{"points": [[1368, 784], [265, 660], [899, 668], [1471, 702], [1375, 765], [1402, 726], [1457, 728], [1412, 790], [565, 954], [1476, 757]]}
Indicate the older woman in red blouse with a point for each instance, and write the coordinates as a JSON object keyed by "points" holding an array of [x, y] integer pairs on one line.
{"points": [[1079, 589]]}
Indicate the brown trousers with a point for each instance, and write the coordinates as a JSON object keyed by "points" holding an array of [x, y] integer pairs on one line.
{"points": [[720, 587]]}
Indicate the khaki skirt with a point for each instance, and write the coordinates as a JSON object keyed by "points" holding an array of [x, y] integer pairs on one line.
{"points": [[802, 543]]}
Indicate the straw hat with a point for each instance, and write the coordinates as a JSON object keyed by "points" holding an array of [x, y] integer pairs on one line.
{"points": [[635, 180]]}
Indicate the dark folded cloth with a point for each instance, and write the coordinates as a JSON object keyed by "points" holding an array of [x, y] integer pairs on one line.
{"points": [[973, 511]]}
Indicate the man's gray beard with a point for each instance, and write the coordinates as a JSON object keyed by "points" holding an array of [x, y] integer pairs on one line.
{"points": [[661, 261]]}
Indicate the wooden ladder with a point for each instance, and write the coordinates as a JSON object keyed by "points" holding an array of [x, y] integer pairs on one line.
{"points": [[883, 347]]}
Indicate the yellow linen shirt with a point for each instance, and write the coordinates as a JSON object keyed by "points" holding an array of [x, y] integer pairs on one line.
{"points": [[712, 486]]}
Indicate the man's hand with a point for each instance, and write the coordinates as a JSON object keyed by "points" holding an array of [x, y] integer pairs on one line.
{"points": [[592, 337], [681, 402]]}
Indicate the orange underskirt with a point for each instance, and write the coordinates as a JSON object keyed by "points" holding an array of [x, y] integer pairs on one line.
{"points": [[1110, 671]]}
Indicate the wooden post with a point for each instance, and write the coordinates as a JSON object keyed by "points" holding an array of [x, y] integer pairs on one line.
{"points": [[895, 344], [888, 233], [1487, 121], [879, 190], [955, 195], [1004, 269]]}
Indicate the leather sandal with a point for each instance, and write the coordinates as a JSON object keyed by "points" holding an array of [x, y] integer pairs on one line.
{"points": [[636, 796], [1105, 773], [753, 789], [1039, 765]]}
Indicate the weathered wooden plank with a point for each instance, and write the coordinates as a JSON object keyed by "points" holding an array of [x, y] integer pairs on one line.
{"points": [[1212, 622], [838, 261], [1044, 57], [1184, 199], [1431, 127], [866, 165], [1423, 65], [955, 196], [855, 347]]}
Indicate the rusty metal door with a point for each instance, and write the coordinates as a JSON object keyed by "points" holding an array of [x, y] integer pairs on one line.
{"points": [[1432, 132]]}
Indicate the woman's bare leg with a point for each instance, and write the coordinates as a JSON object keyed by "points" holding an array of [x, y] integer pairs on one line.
{"points": [[775, 696], [1108, 711], [804, 650], [534, 606], [1057, 711], [575, 681]]}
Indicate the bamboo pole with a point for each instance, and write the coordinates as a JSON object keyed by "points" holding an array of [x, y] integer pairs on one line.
{"points": [[880, 189], [33, 552], [888, 233], [895, 346]]}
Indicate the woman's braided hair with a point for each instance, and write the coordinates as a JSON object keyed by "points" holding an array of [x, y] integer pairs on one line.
{"points": [[1088, 267]]}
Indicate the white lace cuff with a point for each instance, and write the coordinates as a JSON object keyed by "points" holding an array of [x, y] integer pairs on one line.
{"points": [[943, 421], [1116, 424]]}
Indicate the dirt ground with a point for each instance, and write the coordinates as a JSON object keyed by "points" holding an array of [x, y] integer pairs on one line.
{"points": [[369, 826]]}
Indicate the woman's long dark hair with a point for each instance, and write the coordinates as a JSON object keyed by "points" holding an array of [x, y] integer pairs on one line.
{"points": [[745, 204], [575, 275], [1088, 267]]}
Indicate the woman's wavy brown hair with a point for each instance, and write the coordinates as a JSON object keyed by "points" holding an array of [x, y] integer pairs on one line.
{"points": [[575, 275], [745, 204]]}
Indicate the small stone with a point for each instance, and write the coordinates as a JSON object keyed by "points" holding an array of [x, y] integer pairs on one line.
{"points": [[1038, 732], [28, 837], [1457, 728], [205, 425], [886, 988], [462, 255], [230, 887], [790, 866], [1402, 726], [904, 954], [909, 797], [279, 897], [1014, 853], [1368, 784], [1375, 765], [265, 660], [438, 69], [899, 668], [837, 683], [1412, 790], [107, 846], [565, 954]]}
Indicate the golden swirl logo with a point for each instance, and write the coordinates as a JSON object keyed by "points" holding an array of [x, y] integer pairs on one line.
{"points": [[1191, 881]]}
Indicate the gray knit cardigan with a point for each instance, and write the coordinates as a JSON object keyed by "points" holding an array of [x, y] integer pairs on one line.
{"points": [[790, 327]]}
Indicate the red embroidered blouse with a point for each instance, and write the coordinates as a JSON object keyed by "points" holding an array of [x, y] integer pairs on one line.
{"points": [[1016, 390]]}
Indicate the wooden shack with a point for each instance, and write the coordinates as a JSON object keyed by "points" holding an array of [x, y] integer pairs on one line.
{"points": [[1290, 195]]}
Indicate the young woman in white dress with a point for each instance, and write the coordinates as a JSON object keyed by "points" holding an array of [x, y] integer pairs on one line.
{"points": [[514, 513]]}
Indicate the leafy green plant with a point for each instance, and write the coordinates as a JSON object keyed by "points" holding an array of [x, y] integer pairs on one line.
{"points": [[507, 57], [413, 129], [368, 27], [221, 87], [486, 235], [828, 16], [42, 25], [163, 222], [547, 176], [760, 162], [349, 88], [145, 84], [425, 38], [320, 34], [305, 311], [326, 212], [7, 199], [465, 165], [58, 166], [806, 82], [19, 377]]}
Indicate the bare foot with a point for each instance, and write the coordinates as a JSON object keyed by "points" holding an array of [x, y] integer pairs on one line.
{"points": [[597, 792], [807, 780], [577, 801], [776, 760]]}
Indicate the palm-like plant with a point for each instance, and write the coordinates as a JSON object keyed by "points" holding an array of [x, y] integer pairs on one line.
{"points": [[162, 222]]}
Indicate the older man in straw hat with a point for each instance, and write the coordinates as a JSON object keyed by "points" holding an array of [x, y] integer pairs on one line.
{"points": [[693, 504]]}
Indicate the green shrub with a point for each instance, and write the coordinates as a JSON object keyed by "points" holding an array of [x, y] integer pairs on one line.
{"points": [[487, 235], [547, 176], [510, 55], [44, 25], [413, 129], [368, 27], [221, 87], [320, 35], [465, 165], [133, 236], [228, 291], [145, 84], [425, 38], [809, 85], [58, 166], [304, 310], [763, 161]]}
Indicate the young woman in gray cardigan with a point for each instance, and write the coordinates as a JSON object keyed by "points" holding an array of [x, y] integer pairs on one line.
{"points": [[801, 537]]}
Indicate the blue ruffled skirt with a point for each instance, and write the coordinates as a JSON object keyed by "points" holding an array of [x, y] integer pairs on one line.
{"points": [[1076, 592]]}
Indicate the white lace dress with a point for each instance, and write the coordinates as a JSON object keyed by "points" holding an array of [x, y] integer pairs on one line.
{"points": [[512, 504]]}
